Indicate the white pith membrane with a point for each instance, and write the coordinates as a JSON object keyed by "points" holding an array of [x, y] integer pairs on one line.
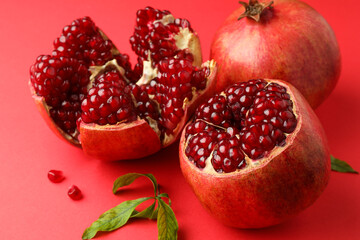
{"points": [[250, 164], [167, 139]]}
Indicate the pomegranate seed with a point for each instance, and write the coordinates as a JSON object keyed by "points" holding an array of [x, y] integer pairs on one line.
{"points": [[56, 176], [74, 193]]}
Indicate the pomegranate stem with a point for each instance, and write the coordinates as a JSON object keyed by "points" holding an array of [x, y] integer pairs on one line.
{"points": [[253, 9]]}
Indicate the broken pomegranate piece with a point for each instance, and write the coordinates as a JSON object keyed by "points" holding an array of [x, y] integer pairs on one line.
{"points": [[158, 35], [89, 95], [255, 154]]}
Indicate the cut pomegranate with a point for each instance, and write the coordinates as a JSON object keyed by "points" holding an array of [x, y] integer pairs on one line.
{"points": [[255, 154], [88, 93], [74, 192], [261, 113], [56, 176]]}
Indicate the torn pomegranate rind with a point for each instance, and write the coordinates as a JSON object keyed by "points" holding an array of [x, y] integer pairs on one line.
{"points": [[241, 127], [122, 141]]}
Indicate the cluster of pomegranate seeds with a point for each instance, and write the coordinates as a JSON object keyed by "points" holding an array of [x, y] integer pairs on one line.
{"points": [[63, 83], [174, 83], [108, 101], [154, 34], [56, 176], [215, 111], [249, 118], [202, 145], [145, 105], [227, 156], [241, 96], [83, 41]]}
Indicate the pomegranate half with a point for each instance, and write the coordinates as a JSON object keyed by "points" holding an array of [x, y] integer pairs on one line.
{"points": [[256, 154], [280, 39], [90, 96]]}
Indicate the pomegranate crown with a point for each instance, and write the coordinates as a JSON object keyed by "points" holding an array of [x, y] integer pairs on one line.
{"points": [[254, 8]]}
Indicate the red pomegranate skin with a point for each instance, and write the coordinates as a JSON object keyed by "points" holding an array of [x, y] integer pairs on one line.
{"points": [[269, 194], [124, 141], [291, 41]]}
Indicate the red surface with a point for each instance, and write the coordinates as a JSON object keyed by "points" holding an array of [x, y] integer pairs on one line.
{"points": [[31, 207]]}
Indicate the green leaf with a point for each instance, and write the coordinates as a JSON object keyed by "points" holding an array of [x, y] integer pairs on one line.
{"points": [[166, 222], [149, 212], [341, 166], [163, 195], [113, 218], [129, 178]]}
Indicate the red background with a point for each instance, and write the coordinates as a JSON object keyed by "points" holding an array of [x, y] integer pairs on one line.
{"points": [[31, 207]]}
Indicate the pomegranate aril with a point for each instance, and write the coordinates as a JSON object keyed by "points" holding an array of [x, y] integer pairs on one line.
{"points": [[278, 136], [74, 192], [289, 125], [56, 176]]}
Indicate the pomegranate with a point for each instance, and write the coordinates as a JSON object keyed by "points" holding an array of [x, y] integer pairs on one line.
{"points": [[255, 154], [281, 39], [89, 94]]}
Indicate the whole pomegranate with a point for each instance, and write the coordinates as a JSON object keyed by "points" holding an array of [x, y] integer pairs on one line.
{"points": [[89, 94], [255, 154], [281, 39]]}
